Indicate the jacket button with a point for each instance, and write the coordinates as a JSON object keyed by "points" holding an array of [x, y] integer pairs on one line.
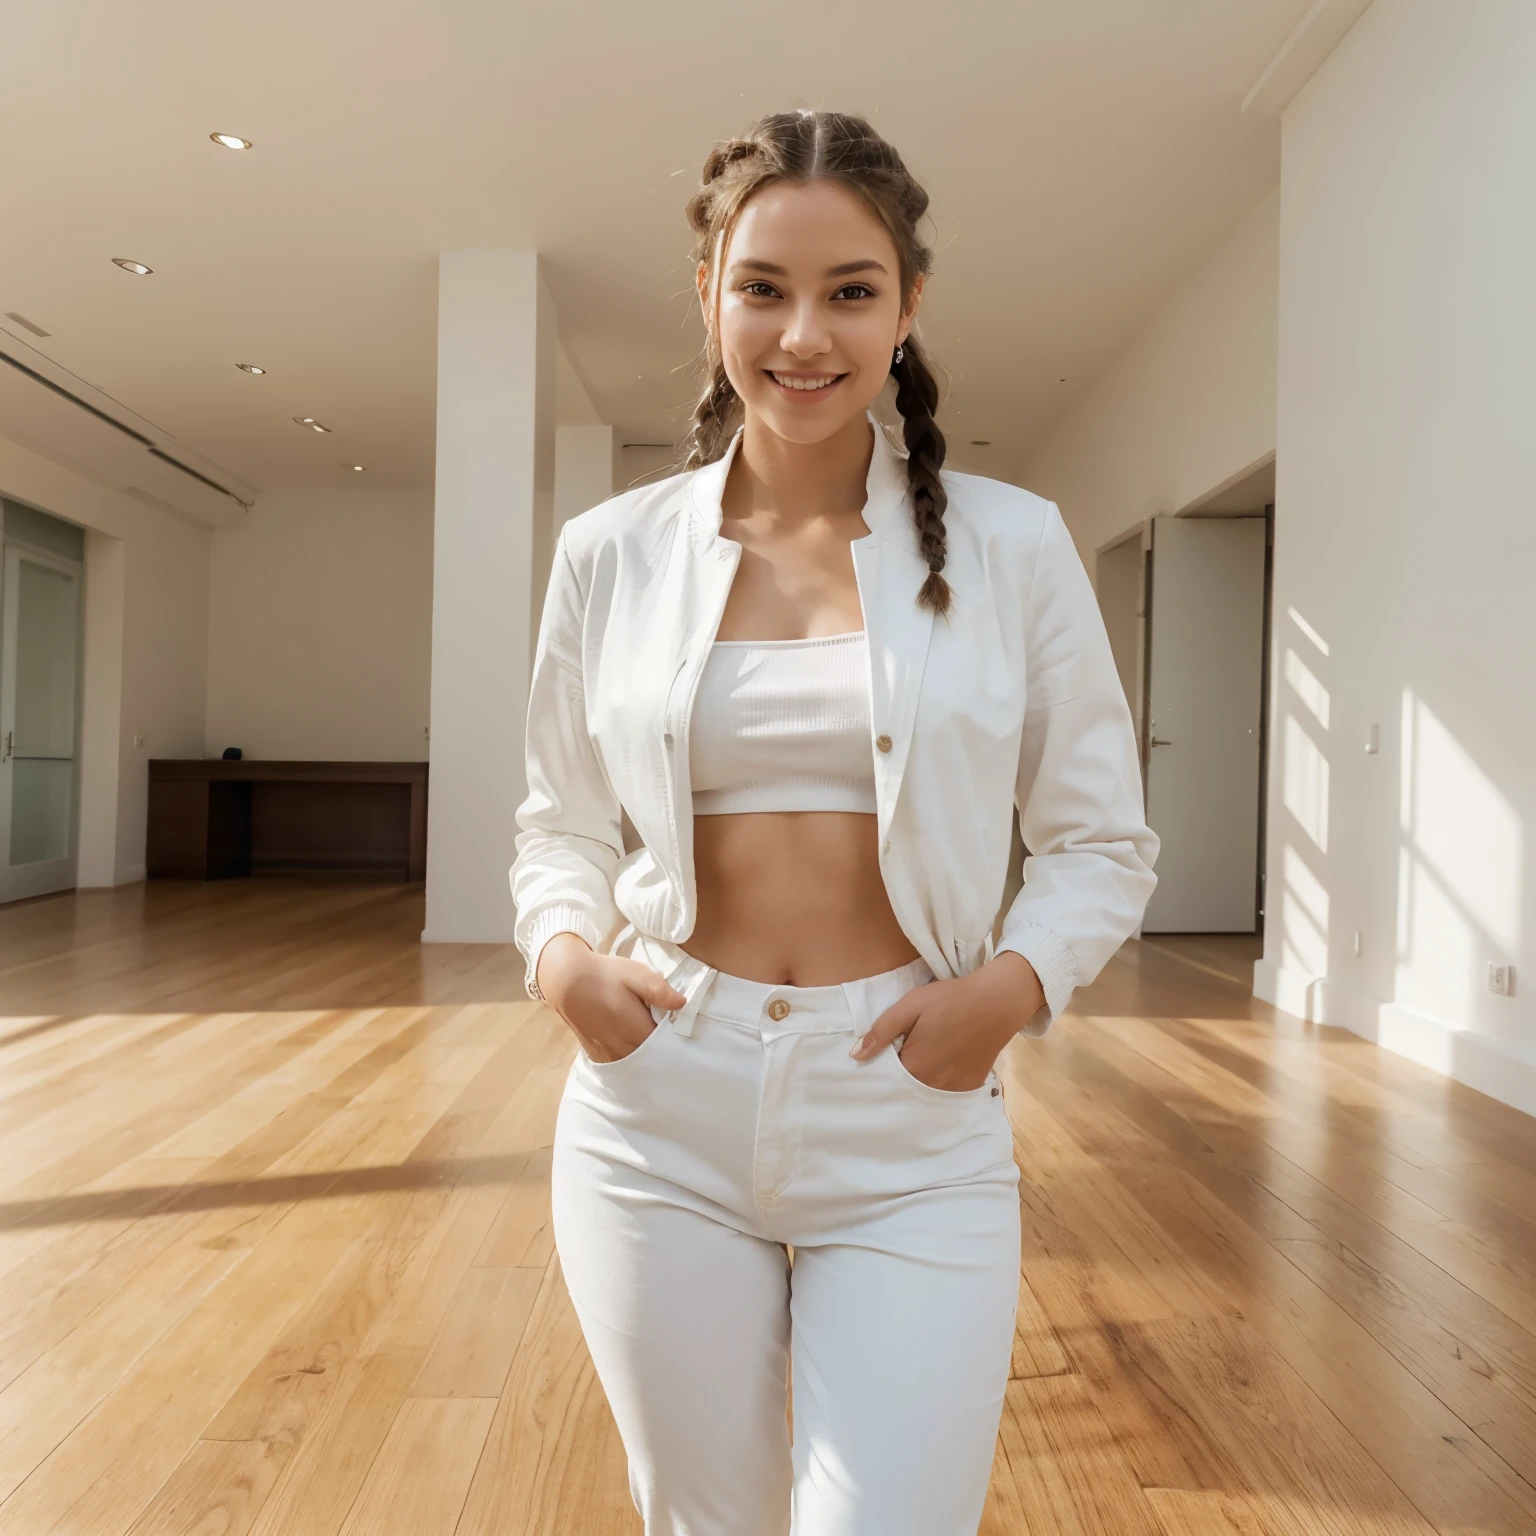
{"points": [[777, 1009], [667, 739], [883, 742]]}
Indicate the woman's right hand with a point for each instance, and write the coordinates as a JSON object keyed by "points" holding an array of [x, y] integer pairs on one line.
{"points": [[604, 999]]}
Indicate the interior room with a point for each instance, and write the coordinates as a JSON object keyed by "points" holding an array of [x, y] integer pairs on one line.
{"points": [[319, 328]]}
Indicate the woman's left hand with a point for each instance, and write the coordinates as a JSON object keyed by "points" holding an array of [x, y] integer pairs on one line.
{"points": [[956, 1029]]}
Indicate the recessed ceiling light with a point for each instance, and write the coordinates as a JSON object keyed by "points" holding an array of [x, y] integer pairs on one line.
{"points": [[359, 467], [311, 423], [249, 368], [981, 442], [230, 140], [136, 267], [25, 324]]}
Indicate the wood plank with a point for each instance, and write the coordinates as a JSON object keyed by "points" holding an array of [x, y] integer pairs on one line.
{"points": [[215, 1491], [553, 1448], [1059, 1468], [1287, 1443], [474, 1349], [422, 1472]]}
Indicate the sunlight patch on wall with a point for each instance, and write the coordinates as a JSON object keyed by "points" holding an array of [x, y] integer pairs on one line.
{"points": [[1303, 917], [1307, 630], [1460, 826], [1305, 782], [1459, 872], [1307, 687]]}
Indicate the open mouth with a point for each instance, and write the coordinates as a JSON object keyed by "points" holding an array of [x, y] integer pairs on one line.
{"points": [[807, 386]]}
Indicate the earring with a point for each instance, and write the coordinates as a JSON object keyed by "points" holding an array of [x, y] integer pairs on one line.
{"points": [[897, 363]]}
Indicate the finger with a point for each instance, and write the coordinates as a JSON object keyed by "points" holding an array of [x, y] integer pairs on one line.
{"points": [[654, 988], [896, 1020]]}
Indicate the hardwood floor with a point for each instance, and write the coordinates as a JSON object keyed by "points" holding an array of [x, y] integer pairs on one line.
{"points": [[275, 1253]]}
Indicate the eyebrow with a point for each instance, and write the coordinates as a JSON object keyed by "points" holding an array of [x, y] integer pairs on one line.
{"points": [[846, 269]]}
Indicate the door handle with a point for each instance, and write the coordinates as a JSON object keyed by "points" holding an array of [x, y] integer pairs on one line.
{"points": [[1158, 743]]}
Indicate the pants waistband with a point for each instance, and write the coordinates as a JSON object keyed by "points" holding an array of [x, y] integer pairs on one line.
{"points": [[844, 1006]]}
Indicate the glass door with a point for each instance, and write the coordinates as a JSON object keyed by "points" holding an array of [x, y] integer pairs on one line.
{"points": [[39, 672]]}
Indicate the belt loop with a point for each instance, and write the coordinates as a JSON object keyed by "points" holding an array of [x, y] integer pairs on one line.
{"points": [[856, 995], [682, 1019]]}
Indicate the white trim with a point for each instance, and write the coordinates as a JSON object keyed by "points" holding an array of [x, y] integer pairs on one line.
{"points": [[1316, 35], [1475, 1061]]}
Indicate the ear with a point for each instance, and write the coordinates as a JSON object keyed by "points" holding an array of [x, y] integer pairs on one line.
{"points": [[909, 314]]}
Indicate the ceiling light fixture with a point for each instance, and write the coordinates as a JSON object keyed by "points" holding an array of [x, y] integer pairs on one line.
{"points": [[311, 423], [249, 368], [230, 140], [359, 467], [136, 267]]}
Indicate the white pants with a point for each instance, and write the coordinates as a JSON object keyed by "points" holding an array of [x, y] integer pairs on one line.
{"points": [[681, 1172]]}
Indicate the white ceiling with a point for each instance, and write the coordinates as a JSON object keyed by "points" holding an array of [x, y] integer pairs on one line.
{"points": [[1083, 157]]}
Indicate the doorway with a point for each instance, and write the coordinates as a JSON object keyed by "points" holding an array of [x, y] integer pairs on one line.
{"points": [[42, 561], [1185, 600]]}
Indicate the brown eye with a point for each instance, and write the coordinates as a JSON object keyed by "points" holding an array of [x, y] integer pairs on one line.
{"points": [[857, 290]]}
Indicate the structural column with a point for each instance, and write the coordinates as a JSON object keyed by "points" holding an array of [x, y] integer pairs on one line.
{"points": [[584, 470], [492, 542]]}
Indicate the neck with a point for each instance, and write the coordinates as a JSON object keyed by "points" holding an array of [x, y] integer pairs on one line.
{"points": [[799, 480]]}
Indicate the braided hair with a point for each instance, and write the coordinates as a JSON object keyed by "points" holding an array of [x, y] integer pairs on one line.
{"points": [[811, 146]]}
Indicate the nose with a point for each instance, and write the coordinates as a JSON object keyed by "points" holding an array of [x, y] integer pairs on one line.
{"points": [[805, 332]]}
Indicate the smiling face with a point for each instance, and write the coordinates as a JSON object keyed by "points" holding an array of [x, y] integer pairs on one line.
{"points": [[808, 308]]}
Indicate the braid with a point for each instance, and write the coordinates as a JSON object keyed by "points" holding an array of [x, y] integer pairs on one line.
{"points": [[917, 396], [707, 433]]}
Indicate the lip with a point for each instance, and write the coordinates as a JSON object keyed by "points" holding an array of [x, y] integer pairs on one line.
{"points": [[804, 396]]}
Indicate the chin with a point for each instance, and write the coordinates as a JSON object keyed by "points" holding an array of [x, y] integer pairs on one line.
{"points": [[809, 425]]}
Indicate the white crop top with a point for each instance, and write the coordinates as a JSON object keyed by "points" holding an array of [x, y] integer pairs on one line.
{"points": [[783, 725]]}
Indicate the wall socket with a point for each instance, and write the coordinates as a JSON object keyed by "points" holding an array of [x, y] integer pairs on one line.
{"points": [[1501, 979]]}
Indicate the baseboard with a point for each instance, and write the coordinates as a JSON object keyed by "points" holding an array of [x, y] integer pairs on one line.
{"points": [[486, 936], [1472, 1060]]}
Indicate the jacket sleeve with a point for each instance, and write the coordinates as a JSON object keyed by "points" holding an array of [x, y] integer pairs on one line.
{"points": [[571, 839], [1088, 875]]}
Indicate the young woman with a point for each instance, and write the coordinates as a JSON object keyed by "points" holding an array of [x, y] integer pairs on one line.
{"points": [[783, 707]]}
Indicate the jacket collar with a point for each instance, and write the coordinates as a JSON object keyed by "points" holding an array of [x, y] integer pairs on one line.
{"points": [[886, 508]]}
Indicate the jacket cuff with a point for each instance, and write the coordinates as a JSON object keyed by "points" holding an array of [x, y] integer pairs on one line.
{"points": [[561, 917], [1054, 964]]}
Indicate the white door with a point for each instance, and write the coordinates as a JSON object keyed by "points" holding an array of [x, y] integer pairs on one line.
{"points": [[1205, 638], [39, 665]]}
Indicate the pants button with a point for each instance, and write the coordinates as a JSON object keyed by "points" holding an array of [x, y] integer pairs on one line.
{"points": [[777, 1009]]}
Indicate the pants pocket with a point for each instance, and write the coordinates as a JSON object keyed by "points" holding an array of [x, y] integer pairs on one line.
{"points": [[951, 1096], [646, 1048]]}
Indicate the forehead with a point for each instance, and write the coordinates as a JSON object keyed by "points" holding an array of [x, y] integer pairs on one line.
{"points": [[808, 224]]}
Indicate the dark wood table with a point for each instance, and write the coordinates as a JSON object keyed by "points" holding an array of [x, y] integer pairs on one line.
{"points": [[216, 819]]}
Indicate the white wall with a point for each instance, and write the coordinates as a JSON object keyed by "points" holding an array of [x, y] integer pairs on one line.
{"points": [[146, 628], [1189, 406], [1405, 541], [320, 627], [584, 469]]}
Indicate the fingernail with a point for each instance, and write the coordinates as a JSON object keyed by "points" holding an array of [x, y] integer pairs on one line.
{"points": [[861, 1044]]}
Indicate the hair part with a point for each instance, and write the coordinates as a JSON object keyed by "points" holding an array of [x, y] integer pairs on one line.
{"points": [[803, 147]]}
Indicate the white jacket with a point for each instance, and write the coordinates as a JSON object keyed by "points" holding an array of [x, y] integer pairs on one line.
{"points": [[1011, 699]]}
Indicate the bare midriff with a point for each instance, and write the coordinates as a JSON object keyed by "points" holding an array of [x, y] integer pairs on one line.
{"points": [[793, 898]]}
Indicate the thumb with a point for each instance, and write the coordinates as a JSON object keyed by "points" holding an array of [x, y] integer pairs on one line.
{"points": [[654, 988], [896, 1020]]}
